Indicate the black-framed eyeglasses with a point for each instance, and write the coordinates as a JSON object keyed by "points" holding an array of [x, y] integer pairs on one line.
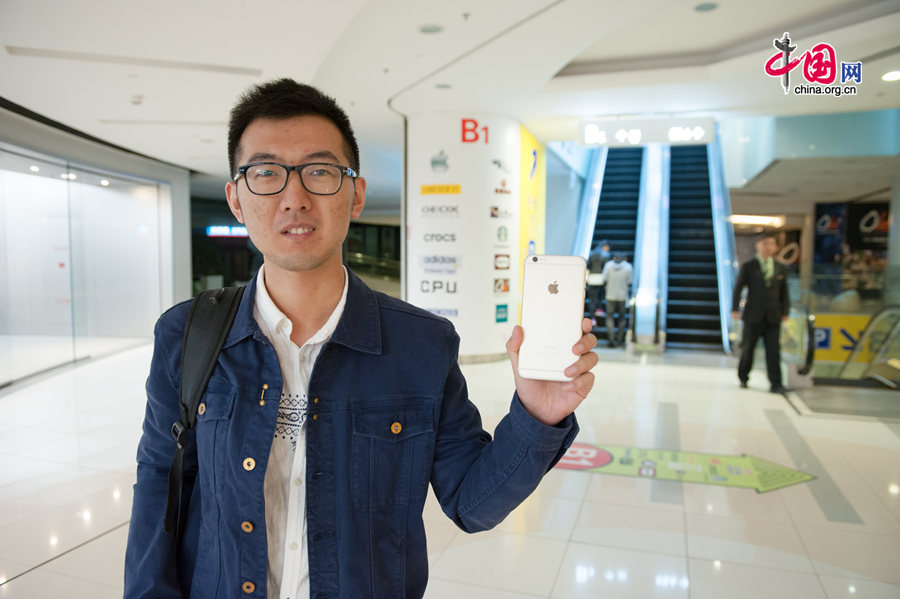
{"points": [[319, 178]]}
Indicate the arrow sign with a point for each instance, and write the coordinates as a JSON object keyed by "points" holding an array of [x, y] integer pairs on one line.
{"points": [[745, 471]]}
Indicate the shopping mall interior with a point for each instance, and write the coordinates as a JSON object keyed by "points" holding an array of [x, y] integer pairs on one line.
{"points": [[677, 132]]}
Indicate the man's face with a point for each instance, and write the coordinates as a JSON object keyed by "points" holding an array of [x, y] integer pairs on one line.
{"points": [[294, 229], [766, 247]]}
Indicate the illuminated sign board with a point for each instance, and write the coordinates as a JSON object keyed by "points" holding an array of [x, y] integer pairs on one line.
{"points": [[226, 231], [618, 133]]}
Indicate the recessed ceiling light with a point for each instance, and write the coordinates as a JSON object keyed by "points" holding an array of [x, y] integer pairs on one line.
{"points": [[104, 182], [706, 6], [891, 76], [35, 169], [431, 28]]}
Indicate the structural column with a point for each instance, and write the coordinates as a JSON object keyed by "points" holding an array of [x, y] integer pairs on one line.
{"points": [[475, 192], [892, 273]]}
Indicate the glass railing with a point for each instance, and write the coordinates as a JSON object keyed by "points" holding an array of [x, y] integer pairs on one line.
{"points": [[373, 265], [590, 200], [861, 293]]}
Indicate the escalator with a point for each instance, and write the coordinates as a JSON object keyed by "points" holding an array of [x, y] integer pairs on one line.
{"points": [[875, 359], [617, 211], [693, 318]]}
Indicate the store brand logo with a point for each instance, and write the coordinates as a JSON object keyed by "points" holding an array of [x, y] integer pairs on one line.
{"points": [[429, 190], [498, 212], [439, 162], [441, 210], [438, 286], [439, 264], [440, 237], [501, 313]]}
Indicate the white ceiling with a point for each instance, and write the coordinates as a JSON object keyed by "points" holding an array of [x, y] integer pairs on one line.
{"points": [[160, 79]]}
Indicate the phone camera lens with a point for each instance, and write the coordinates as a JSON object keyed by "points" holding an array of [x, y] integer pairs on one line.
{"points": [[534, 259]]}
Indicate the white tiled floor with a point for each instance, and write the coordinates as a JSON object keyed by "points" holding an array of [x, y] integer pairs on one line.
{"points": [[67, 445]]}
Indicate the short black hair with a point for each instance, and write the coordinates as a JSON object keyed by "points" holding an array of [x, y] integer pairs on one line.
{"points": [[766, 235], [283, 99]]}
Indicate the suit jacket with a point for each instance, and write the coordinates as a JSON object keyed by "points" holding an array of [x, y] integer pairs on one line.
{"points": [[763, 303]]}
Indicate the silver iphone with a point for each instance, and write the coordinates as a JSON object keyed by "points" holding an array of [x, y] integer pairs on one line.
{"points": [[552, 311]]}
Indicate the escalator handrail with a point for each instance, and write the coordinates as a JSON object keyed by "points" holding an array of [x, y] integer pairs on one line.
{"points": [[810, 345]]}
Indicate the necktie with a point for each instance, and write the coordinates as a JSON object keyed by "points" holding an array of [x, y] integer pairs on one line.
{"points": [[767, 270]]}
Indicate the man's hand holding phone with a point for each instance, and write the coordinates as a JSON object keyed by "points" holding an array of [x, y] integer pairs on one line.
{"points": [[551, 401]]}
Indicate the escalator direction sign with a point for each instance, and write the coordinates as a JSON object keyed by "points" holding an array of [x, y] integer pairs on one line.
{"points": [[744, 471]]}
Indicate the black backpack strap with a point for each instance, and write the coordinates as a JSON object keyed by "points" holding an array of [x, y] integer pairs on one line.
{"points": [[207, 326]]}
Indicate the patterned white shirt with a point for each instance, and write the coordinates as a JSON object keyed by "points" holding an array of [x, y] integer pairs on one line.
{"points": [[285, 481]]}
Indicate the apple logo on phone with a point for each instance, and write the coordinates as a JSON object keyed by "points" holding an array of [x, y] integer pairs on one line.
{"points": [[553, 288]]}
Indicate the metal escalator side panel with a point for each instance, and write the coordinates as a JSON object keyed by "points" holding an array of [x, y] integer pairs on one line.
{"points": [[651, 242], [723, 235]]}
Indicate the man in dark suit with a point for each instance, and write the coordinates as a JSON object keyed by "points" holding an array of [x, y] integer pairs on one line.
{"points": [[767, 305]]}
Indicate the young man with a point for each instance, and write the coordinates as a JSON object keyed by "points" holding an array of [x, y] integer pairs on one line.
{"points": [[597, 259], [767, 305], [617, 275], [332, 407]]}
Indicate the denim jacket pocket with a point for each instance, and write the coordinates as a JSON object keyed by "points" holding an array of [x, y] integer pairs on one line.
{"points": [[390, 454], [213, 423]]}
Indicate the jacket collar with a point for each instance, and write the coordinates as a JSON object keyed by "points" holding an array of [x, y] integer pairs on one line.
{"points": [[359, 327]]}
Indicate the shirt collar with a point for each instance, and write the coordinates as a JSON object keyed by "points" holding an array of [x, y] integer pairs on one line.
{"points": [[359, 327], [273, 321]]}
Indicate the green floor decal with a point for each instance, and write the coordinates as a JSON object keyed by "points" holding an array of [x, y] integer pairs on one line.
{"points": [[746, 471]]}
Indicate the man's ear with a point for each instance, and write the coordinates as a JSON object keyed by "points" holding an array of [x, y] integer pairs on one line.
{"points": [[359, 197], [234, 203]]}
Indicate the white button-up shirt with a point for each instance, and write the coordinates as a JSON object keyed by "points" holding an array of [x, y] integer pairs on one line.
{"points": [[285, 484]]}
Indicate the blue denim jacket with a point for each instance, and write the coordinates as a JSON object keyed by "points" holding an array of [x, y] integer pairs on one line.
{"points": [[388, 413]]}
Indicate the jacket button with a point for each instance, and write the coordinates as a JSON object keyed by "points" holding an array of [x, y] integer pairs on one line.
{"points": [[201, 409], [315, 416], [248, 587], [396, 428], [316, 400], [246, 526], [249, 464]]}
